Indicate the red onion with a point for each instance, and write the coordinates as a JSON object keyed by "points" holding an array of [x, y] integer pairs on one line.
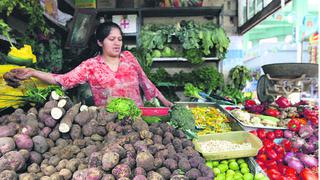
{"points": [[296, 164], [288, 156], [308, 148], [297, 142], [309, 161], [288, 134], [306, 131], [313, 139]]}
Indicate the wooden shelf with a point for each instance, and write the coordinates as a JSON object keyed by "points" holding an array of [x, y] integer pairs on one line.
{"points": [[164, 12], [175, 59]]}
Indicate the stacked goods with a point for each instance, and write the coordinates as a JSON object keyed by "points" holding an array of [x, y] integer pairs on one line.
{"points": [[62, 140]]}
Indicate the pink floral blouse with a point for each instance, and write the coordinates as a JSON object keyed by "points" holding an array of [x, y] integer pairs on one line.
{"points": [[104, 82]]}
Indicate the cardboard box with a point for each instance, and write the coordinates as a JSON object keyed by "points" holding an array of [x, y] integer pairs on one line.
{"points": [[101, 4], [85, 3]]}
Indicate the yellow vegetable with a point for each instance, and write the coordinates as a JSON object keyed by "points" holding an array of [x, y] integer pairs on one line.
{"points": [[24, 53]]}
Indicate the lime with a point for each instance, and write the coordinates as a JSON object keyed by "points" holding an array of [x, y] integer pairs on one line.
{"points": [[223, 167], [230, 172], [242, 165], [239, 161], [229, 177], [245, 170], [233, 166], [215, 163], [232, 160], [265, 178], [237, 176], [248, 176], [224, 162], [209, 164], [258, 176], [221, 176], [216, 171]]}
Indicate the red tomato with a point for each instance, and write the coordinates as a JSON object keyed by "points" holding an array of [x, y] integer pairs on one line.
{"points": [[271, 135], [261, 133], [286, 144], [261, 157], [254, 132], [307, 174], [278, 133]]}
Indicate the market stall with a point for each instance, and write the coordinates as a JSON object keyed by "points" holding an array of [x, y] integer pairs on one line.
{"points": [[213, 130]]}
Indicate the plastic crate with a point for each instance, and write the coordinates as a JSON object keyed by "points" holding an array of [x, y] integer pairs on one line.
{"points": [[237, 137], [154, 111]]}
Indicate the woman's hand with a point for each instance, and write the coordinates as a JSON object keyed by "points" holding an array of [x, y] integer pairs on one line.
{"points": [[23, 73], [167, 103]]}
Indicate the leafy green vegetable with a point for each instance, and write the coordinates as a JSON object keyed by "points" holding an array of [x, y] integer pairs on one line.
{"points": [[239, 76], [125, 107], [182, 118], [194, 56], [207, 78], [192, 91]]}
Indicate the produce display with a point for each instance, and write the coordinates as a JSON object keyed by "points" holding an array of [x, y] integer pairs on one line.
{"points": [[230, 169], [210, 120], [63, 141]]}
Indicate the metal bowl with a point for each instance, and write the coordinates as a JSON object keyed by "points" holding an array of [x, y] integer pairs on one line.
{"points": [[291, 70]]}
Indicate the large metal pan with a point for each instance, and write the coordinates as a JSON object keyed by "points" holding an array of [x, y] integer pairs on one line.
{"points": [[291, 70]]}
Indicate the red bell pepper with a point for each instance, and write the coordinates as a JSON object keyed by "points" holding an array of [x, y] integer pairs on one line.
{"points": [[290, 172], [273, 174], [314, 120], [261, 133], [286, 144], [271, 164], [283, 102], [307, 174], [271, 135], [294, 125], [268, 144], [262, 150], [249, 103], [278, 133], [272, 112], [271, 154], [279, 149]]}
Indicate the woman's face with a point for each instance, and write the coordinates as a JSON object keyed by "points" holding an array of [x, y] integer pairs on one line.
{"points": [[112, 44]]}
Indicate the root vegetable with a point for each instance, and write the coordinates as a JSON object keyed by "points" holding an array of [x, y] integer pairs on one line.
{"points": [[184, 165], [65, 173], [121, 170], [109, 160], [35, 157], [12, 160], [140, 177], [88, 174], [82, 118], [83, 108], [104, 116], [25, 154], [145, 160], [54, 160], [179, 177], [96, 137], [7, 131], [89, 128], [108, 177], [95, 160], [145, 134], [163, 154], [65, 103], [195, 161], [205, 170], [32, 110], [158, 163], [8, 175], [75, 132], [154, 175], [139, 171], [23, 141], [141, 146], [45, 132], [165, 172], [57, 112], [27, 176], [66, 122], [62, 164], [193, 174], [73, 164], [56, 176], [54, 95], [6, 144], [49, 105], [45, 178], [170, 164], [33, 168], [40, 144], [140, 125]]}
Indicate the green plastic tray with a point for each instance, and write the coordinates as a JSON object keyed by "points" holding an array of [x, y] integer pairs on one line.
{"points": [[238, 137]]}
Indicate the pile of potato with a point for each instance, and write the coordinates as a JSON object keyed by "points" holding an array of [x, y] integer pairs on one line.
{"points": [[66, 141]]}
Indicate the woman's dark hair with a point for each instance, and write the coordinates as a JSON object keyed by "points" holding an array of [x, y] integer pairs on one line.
{"points": [[103, 30]]}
